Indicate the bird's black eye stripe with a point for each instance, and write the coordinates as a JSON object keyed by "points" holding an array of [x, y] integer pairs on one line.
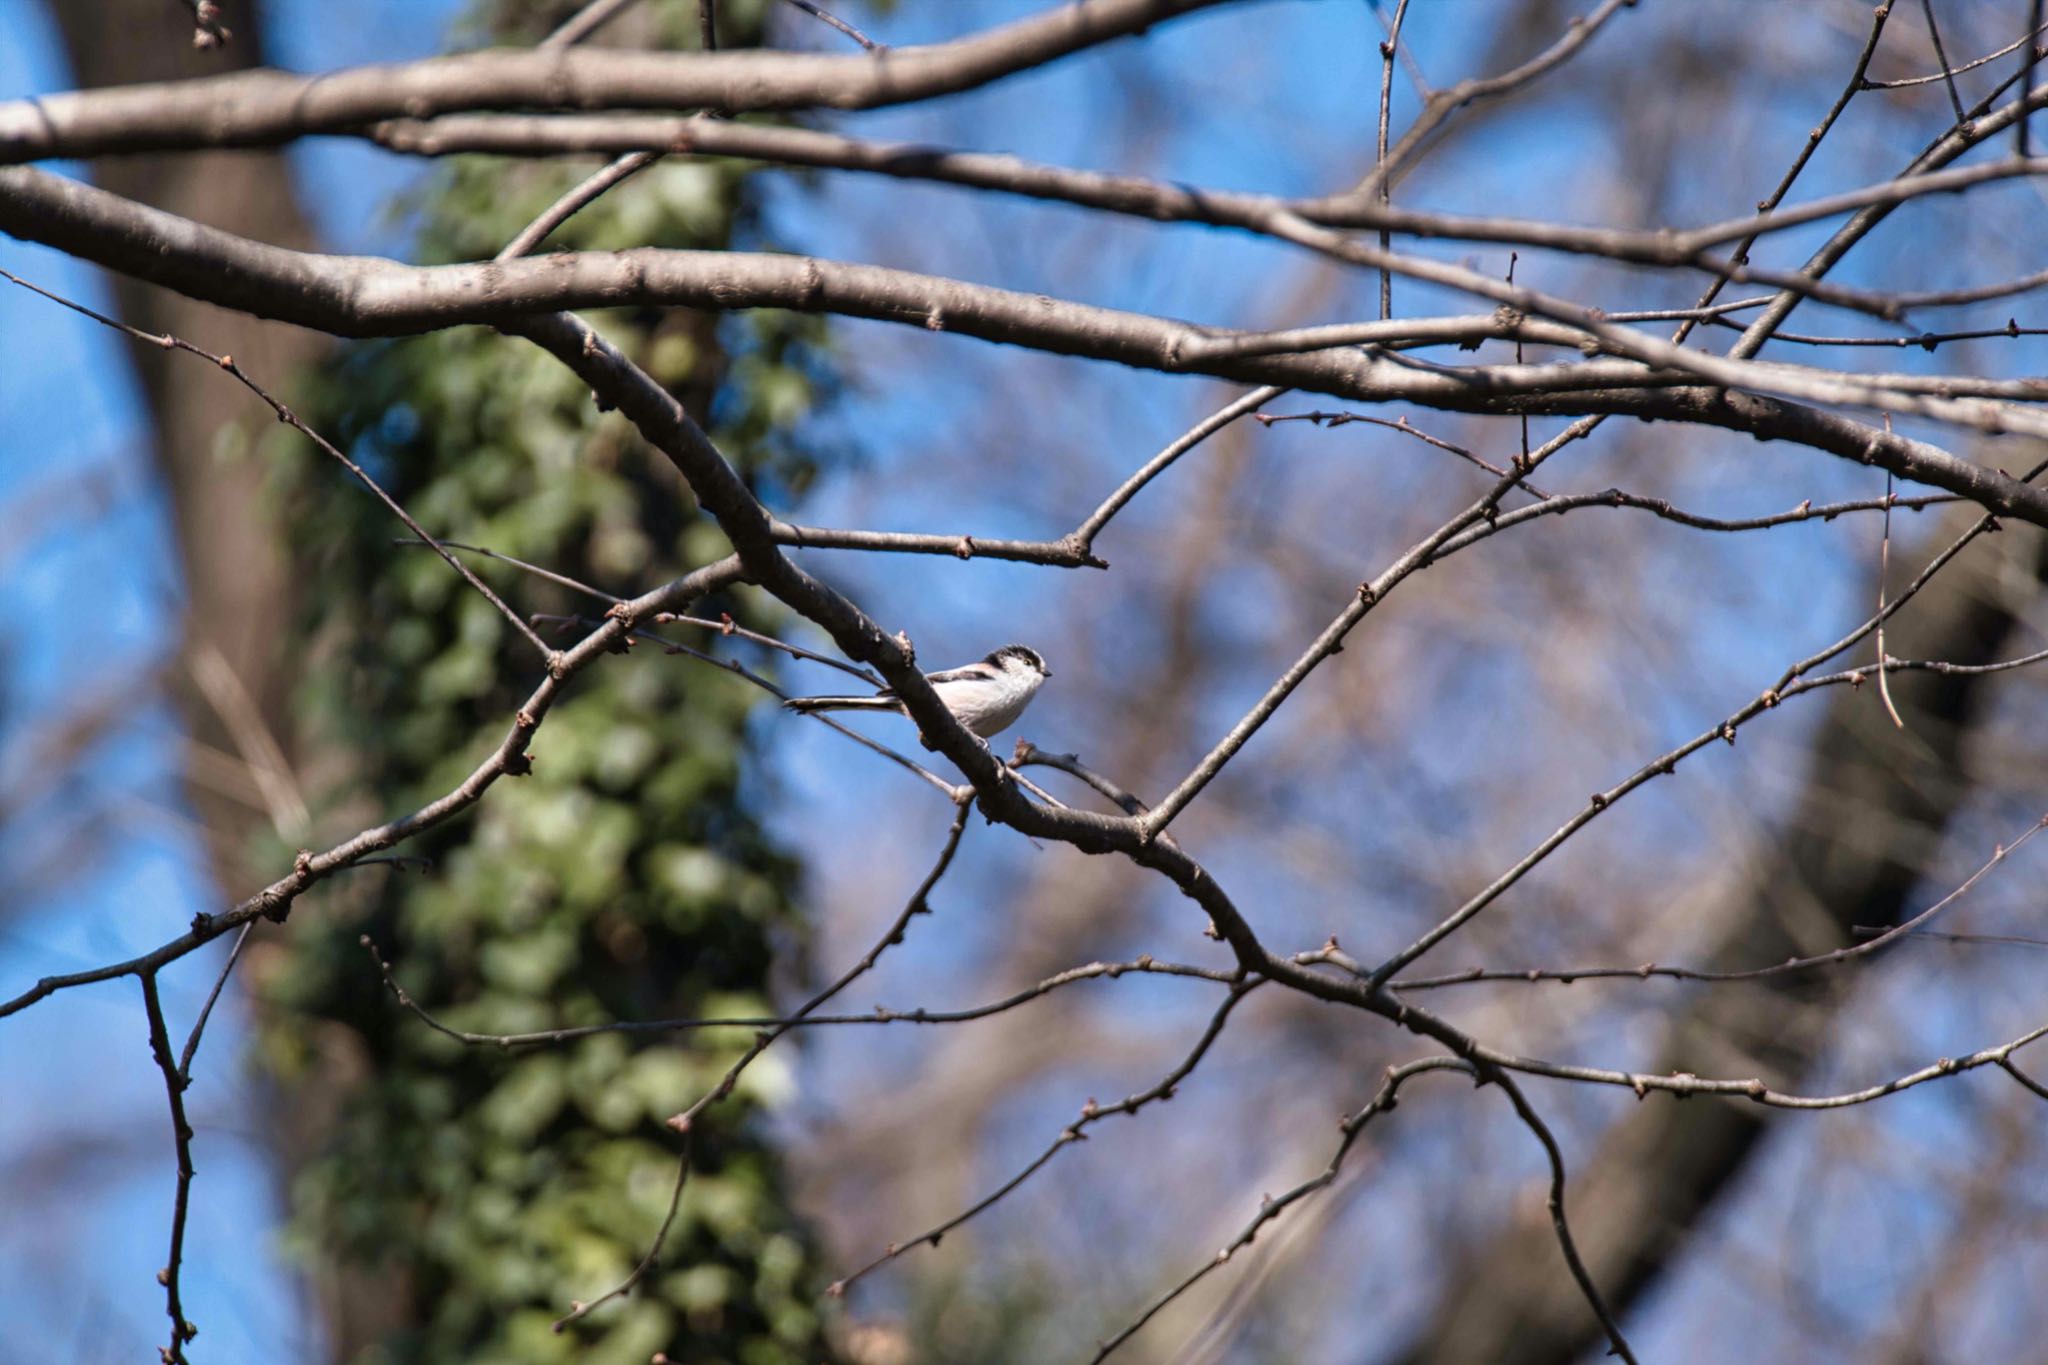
{"points": [[1023, 654]]}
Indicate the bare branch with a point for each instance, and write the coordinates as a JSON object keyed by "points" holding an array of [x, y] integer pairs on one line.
{"points": [[1091, 1113], [274, 901], [175, 1083], [574, 201], [1881, 938], [291, 419], [1444, 103], [264, 108], [1388, 48], [355, 296], [879, 1015], [918, 904], [826, 17], [1272, 1207], [1618, 1344], [584, 22]]}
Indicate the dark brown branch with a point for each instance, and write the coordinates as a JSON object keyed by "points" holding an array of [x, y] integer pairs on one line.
{"points": [[212, 996], [1979, 123], [1878, 939], [574, 200], [1904, 82], [1385, 190], [1439, 107], [1754, 1089], [2023, 1078], [1948, 75]]}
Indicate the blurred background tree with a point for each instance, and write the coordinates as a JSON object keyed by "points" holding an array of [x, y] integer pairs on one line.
{"points": [[443, 1197]]}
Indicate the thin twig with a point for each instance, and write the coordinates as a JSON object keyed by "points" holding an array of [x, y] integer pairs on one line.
{"points": [[1881, 938], [740, 670], [827, 17], [2020, 132], [1753, 1088], [274, 901], [574, 201], [1388, 47], [1926, 341], [685, 1121], [1618, 1344], [1272, 1207], [578, 1308], [1091, 1113], [583, 23], [1439, 107], [1401, 424], [291, 419], [175, 1083], [1884, 566], [2012, 1070], [1995, 940], [1028, 754], [725, 625], [918, 904], [879, 1015], [206, 1010], [1948, 75], [1084, 535], [1792, 681], [2015, 45]]}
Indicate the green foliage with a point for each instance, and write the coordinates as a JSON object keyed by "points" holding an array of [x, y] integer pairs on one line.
{"points": [[625, 878]]}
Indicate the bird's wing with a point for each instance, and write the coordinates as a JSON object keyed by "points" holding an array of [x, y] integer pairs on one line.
{"points": [[971, 673]]}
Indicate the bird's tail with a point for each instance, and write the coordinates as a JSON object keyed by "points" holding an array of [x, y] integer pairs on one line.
{"points": [[810, 704]]}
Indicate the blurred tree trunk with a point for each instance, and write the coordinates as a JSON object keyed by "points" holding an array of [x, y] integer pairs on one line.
{"points": [[238, 582], [233, 680], [1866, 828], [405, 1269]]}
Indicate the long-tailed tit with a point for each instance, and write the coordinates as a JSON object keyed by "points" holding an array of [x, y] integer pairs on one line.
{"points": [[986, 697]]}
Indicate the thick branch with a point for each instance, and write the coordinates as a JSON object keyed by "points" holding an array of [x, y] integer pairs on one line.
{"points": [[362, 296], [263, 108]]}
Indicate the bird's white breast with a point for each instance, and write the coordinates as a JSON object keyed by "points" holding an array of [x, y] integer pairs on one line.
{"points": [[989, 705]]}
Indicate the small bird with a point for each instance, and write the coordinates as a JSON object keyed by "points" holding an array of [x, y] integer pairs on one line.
{"points": [[986, 697]]}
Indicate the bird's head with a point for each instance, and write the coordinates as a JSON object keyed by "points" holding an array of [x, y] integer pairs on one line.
{"points": [[1019, 658]]}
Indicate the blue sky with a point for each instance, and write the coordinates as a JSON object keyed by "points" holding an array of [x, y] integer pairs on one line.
{"points": [[918, 413]]}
